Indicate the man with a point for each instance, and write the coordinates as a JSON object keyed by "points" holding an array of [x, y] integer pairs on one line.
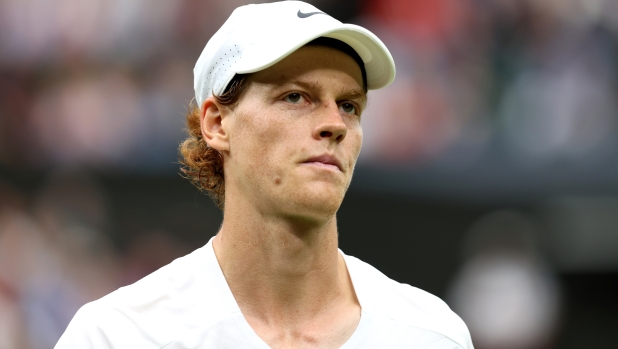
{"points": [[280, 89]]}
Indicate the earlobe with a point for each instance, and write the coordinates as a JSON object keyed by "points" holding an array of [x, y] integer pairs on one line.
{"points": [[211, 121]]}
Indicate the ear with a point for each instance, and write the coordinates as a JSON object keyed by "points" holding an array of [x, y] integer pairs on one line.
{"points": [[211, 121]]}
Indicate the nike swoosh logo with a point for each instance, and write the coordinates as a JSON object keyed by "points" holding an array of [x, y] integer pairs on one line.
{"points": [[309, 14]]}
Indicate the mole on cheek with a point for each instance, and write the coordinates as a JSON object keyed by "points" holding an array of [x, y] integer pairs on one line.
{"points": [[277, 181]]}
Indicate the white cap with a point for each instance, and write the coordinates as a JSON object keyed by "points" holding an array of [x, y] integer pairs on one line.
{"points": [[256, 37]]}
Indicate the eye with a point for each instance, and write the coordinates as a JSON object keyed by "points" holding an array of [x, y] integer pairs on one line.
{"points": [[348, 108], [293, 97]]}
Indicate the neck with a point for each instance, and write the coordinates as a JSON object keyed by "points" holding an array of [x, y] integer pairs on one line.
{"points": [[280, 269]]}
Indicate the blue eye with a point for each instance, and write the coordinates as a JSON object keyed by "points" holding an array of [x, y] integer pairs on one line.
{"points": [[293, 97], [348, 108]]}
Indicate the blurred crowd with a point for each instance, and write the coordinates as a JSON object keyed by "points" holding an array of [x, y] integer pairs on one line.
{"points": [[99, 83], [534, 80], [56, 255]]}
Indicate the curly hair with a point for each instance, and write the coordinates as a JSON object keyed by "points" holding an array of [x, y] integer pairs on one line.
{"points": [[201, 164]]}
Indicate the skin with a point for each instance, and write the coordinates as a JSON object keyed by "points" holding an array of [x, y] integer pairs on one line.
{"points": [[277, 245]]}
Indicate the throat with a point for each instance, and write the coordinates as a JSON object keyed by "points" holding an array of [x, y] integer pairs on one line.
{"points": [[286, 283], [289, 280], [300, 307], [281, 269]]}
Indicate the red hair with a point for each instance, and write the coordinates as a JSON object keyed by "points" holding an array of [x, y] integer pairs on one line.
{"points": [[201, 164]]}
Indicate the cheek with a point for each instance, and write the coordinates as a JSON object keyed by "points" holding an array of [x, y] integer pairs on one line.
{"points": [[356, 136], [259, 141], [266, 132]]}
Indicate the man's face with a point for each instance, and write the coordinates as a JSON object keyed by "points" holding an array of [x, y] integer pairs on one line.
{"points": [[295, 135]]}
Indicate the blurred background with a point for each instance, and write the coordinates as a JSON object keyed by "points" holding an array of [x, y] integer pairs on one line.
{"points": [[488, 176]]}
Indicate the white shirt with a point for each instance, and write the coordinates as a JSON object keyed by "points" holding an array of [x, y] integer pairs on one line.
{"points": [[188, 304]]}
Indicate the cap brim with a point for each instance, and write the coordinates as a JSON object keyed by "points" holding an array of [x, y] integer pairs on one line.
{"points": [[379, 64]]}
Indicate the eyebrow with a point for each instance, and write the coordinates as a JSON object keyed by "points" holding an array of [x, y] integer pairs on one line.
{"points": [[357, 94]]}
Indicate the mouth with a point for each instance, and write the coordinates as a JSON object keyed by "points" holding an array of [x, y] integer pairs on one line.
{"points": [[326, 161]]}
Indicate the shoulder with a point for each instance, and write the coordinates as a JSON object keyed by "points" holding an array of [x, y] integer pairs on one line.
{"points": [[146, 314], [405, 304]]}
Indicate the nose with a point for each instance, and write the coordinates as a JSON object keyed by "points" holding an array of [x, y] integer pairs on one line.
{"points": [[331, 124]]}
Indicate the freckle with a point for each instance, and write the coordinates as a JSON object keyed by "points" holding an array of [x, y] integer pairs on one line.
{"points": [[277, 181]]}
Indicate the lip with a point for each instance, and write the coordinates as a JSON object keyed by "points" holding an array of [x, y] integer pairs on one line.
{"points": [[325, 159]]}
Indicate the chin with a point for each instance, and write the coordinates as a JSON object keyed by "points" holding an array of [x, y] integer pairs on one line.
{"points": [[317, 205]]}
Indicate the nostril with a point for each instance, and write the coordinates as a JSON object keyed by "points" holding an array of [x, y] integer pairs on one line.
{"points": [[326, 134], [339, 138]]}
